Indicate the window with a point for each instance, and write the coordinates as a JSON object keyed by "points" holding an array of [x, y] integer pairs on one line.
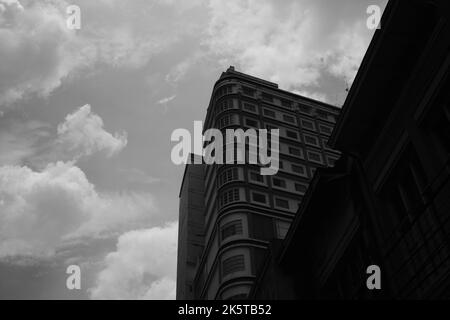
{"points": [[298, 169], [280, 183], [322, 114], [325, 129], [281, 164], [251, 123], [300, 187], [225, 105], [270, 127], [282, 229], [223, 91], [228, 197], [228, 176], [227, 121], [231, 228], [267, 97], [248, 91], [304, 109], [291, 134], [314, 156], [259, 197], [305, 124], [256, 177], [282, 203], [295, 151], [286, 103], [249, 107], [269, 113], [289, 118], [311, 140], [233, 264]]}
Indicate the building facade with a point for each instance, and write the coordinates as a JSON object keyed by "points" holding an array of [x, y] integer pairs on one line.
{"points": [[244, 210], [190, 229], [388, 197]]}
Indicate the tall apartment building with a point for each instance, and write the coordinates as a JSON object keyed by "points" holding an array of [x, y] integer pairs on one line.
{"points": [[244, 210]]}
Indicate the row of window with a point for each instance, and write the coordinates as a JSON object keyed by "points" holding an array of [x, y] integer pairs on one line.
{"points": [[233, 264], [279, 202], [226, 176], [233, 195], [225, 105], [277, 182], [223, 91], [321, 114], [228, 120], [304, 123], [231, 228], [229, 196]]}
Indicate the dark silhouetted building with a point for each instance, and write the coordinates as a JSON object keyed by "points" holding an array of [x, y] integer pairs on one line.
{"points": [[386, 202]]}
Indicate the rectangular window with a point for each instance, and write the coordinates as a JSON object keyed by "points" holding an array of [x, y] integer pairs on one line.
{"points": [[325, 129], [259, 197], [322, 114], [227, 121], [269, 113], [228, 197], [291, 134], [286, 103], [315, 157], [225, 105], [304, 109], [282, 203], [251, 123], [249, 107], [289, 118], [256, 176], [300, 187], [295, 152], [298, 169], [231, 228], [248, 91], [228, 176], [267, 97], [280, 183], [233, 264], [309, 125], [311, 140]]}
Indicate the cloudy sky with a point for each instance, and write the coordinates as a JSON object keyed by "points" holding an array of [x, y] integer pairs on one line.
{"points": [[86, 117]]}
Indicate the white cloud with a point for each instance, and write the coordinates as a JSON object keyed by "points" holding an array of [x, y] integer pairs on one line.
{"points": [[82, 134], [142, 267], [38, 51], [40, 211], [348, 53], [166, 100], [293, 45], [20, 140]]}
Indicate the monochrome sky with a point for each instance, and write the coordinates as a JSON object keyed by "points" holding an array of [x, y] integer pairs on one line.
{"points": [[86, 117]]}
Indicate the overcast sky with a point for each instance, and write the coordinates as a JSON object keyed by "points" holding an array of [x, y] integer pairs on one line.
{"points": [[86, 117]]}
